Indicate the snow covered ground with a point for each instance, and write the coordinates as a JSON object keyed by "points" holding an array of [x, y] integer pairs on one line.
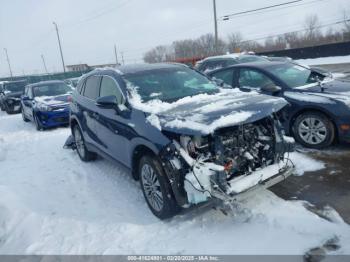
{"points": [[325, 60], [52, 203]]}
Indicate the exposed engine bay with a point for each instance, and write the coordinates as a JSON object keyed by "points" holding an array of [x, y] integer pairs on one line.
{"points": [[207, 165]]}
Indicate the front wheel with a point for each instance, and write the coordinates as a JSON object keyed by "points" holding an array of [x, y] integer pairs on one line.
{"points": [[84, 154], [156, 188], [37, 123], [314, 130]]}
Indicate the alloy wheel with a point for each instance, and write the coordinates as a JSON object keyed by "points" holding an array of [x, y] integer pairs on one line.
{"points": [[312, 130], [79, 142], [151, 187]]}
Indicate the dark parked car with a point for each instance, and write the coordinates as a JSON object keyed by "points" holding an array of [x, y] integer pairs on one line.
{"points": [[46, 104], [185, 139], [10, 96], [319, 70], [320, 107], [72, 82], [216, 62]]}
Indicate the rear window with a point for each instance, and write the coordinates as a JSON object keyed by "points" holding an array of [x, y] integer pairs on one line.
{"points": [[92, 87]]}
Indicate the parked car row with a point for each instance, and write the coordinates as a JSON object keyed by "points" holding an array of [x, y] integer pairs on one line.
{"points": [[319, 111], [190, 137]]}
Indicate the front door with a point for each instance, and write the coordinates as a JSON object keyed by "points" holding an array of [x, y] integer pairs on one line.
{"points": [[113, 126]]}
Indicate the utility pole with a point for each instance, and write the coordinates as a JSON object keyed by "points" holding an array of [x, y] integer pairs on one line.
{"points": [[122, 53], [42, 57], [116, 55], [59, 44], [8, 61], [215, 26]]}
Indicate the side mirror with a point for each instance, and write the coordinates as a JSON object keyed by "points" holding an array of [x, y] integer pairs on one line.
{"points": [[218, 82], [271, 88], [107, 102], [25, 98]]}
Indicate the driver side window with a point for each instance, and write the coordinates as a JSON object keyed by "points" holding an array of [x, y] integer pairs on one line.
{"points": [[254, 79], [109, 87]]}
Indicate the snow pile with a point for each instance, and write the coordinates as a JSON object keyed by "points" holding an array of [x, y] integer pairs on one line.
{"points": [[325, 60], [154, 121], [224, 121], [52, 203], [304, 163]]}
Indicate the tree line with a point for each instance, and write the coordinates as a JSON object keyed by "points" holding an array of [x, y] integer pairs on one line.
{"points": [[313, 33]]}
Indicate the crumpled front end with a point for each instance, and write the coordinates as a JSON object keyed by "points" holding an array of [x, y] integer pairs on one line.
{"points": [[12, 104], [227, 163]]}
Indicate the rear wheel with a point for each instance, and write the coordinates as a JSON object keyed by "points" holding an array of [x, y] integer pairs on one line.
{"points": [[314, 130], [84, 154], [156, 188]]}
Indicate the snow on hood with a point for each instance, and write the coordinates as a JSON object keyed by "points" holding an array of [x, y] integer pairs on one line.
{"points": [[204, 113], [53, 100]]}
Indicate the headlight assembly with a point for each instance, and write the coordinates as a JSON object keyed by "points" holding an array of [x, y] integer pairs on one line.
{"points": [[43, 107]]}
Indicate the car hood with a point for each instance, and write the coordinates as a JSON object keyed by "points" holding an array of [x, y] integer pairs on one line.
{"points": [[329, 87], [53, 101], [203, 114], [14, 94], [331, 91]]}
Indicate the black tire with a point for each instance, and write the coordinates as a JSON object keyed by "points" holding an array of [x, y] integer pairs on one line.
{"points": [[84, 154], [169, 207], [2, 107], [314, 130], [25, 119], [8, 111], [37, 123]]}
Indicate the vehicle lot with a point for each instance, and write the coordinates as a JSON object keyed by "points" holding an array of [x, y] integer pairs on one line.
{"points": [[52, 203]]}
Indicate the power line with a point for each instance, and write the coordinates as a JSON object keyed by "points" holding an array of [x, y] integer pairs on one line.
{"points": [[297, 31], [276, 9], [259, 9]]}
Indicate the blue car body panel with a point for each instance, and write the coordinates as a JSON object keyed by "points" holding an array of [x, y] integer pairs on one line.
{"points": [[117, 135]]}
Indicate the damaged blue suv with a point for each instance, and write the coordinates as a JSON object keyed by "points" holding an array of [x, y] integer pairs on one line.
{"points": [[187, 140]]}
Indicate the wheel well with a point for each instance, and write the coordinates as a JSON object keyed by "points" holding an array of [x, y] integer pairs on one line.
{"points": [[138, 153], [308, 110], [73, 123]]}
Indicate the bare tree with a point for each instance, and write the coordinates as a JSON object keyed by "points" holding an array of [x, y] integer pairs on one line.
{"points": [[158, 54], [346, 26], [207, 45], [312, 29], [234, 42], [293, 39]]}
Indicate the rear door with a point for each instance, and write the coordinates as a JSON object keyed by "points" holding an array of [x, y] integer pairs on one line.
{"points": [[88, 109], [113, 129]]}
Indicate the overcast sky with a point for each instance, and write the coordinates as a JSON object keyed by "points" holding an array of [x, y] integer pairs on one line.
{"points": [[89, 28]]}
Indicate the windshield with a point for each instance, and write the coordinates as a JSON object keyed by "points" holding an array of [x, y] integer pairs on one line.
{"points": [[170, 84], [15, 86], [251, 58], [294, 75], [51, 90]]}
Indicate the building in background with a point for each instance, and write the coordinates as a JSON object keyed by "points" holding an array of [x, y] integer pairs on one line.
{"points": [[86, 67]]}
